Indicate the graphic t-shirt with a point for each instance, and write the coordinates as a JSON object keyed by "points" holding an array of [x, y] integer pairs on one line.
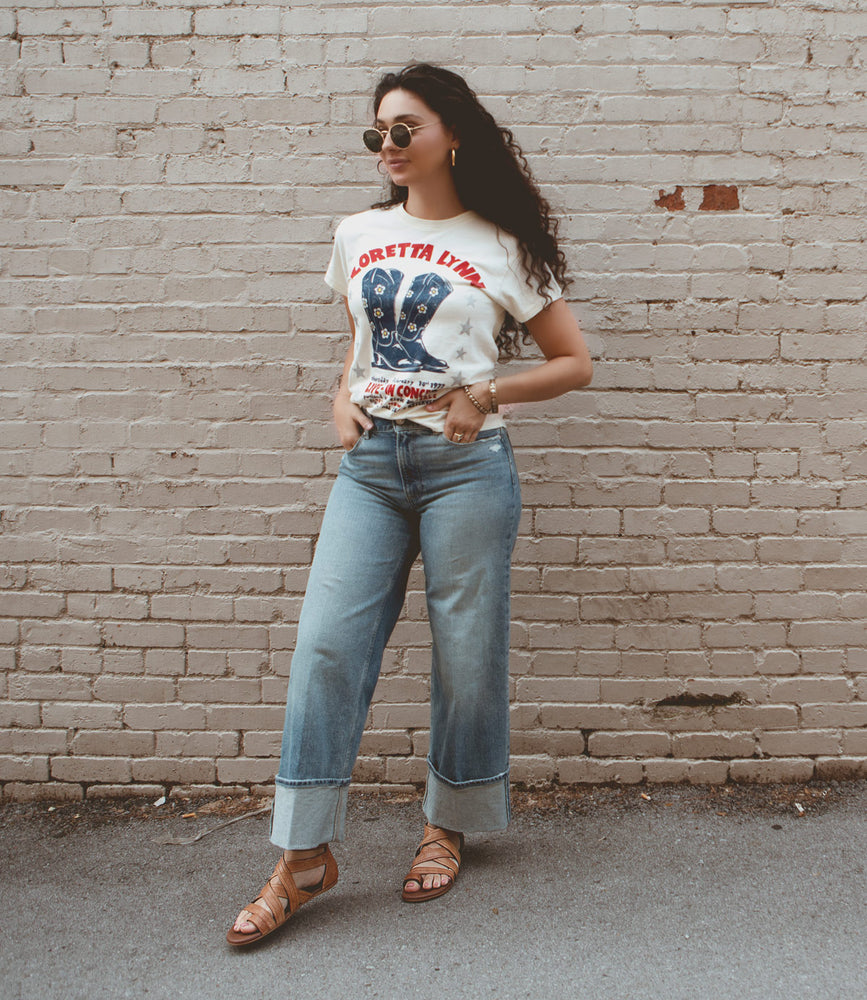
{"points": [[428, 298]]}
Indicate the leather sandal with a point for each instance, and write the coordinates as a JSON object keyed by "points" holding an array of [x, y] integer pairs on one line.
{"points": [[282, 884], [436, 855]]}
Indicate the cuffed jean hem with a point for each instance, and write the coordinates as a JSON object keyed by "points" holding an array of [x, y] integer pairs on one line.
{"points": [[307, 816], [475, 808]]}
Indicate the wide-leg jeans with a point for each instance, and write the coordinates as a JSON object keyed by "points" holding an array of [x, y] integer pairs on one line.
{"points": [[404, 489]]}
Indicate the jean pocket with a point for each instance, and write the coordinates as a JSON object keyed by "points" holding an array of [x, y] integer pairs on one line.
{"points": [[481, 437], [363, 436]]}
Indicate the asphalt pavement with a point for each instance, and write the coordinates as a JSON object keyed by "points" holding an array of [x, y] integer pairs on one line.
{"points": [[636, 893]]}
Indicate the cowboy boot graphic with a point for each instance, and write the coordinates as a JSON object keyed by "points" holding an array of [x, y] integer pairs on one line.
{"points": [[420, 303], [378, 290], [397, 344]]}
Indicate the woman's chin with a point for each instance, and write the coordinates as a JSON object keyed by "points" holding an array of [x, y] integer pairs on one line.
{"points": [[398, 175]]}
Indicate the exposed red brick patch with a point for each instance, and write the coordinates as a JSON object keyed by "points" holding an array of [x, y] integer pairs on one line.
{"points": [[673, 202], [719, 198]]}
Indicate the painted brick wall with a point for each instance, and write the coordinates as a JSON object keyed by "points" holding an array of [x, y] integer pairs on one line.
{"points": [[689, 584]]}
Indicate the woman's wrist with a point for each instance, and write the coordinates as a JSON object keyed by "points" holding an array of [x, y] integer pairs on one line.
{"points": [[483, 395], [492, 396]]}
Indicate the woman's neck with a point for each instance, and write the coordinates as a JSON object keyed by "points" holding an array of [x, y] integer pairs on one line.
{"points": [[436, 199]]}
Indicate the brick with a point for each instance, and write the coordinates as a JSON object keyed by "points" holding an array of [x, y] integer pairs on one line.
{"points": [[666, 771], [201, 789], [245, 770], [24, 768], [125, 791], [32, 741], [42, 791], [411, 716], [772, 770], [576, 716], [113, 743], [560, 689], [645, 744], [17, 713], [221, 21], [52, 687], [143, 634], [154, 717], [135, 21], [853, 714], [586, 771], [169, 769], [804, 743], [532, 770], [712, 745], [133, 689], [401, 770], [58, 22], [841, 768], [75, 716], [173, 744], [751, 717], [102, 769], [246, 691], [241, 717], [582, 581]]}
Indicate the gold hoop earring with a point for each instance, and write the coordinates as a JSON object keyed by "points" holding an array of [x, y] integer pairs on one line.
{"points": [[453, 157]]}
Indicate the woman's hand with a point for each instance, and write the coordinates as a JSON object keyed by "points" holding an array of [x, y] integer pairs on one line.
{"points": [[462, 417], [351, 421]]}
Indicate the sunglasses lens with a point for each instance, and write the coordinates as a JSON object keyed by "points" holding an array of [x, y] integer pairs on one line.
{"points": [[400, 135], [372, 139]]}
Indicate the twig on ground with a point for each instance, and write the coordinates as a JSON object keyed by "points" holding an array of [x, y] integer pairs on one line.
{"points": [[183, 841]]}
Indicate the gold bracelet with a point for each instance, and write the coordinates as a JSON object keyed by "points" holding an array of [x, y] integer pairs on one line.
{"points": [[474, 401], [492, 388]]}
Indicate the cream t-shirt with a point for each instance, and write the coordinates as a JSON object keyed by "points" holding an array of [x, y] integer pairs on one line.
{"points": [[428, 298]]}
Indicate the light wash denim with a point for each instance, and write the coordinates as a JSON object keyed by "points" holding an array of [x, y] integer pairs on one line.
{"points": [[401, 489]]}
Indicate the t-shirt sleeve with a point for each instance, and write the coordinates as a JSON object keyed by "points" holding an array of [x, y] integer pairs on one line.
{"points": [[519, 294], [336, 275]]}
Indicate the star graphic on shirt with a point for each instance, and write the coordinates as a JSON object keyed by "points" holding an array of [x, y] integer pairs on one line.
{"points": [[465, 329], [457, 379], [358, 371], [461, 354]]}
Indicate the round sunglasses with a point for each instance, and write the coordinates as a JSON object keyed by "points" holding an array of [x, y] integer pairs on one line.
{"points": [[401, 135]]}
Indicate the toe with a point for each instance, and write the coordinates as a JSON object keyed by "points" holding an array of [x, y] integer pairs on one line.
{"points": [[412, 886]]}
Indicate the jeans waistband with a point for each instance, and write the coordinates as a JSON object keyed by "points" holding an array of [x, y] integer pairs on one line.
{"points": [[382, 425]]}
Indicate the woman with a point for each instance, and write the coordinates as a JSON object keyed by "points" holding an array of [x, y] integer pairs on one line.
{"points": [[439, 279]]}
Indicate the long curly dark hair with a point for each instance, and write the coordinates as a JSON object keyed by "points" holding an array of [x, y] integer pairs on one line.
{"points": [[491, 176]]}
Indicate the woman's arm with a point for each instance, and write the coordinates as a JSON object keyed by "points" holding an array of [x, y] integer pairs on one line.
{"points": [[567, 366], [349, 419]]}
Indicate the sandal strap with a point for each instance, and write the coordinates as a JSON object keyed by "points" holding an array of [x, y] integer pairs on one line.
{"points": [[268, 910], [260, 917], [436, 855]]}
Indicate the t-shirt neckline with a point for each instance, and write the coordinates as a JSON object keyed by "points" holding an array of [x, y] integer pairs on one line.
{"points": [[432, 223]]}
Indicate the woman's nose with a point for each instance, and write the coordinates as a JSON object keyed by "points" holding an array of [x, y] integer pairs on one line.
{"points": [[388, 142]]}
